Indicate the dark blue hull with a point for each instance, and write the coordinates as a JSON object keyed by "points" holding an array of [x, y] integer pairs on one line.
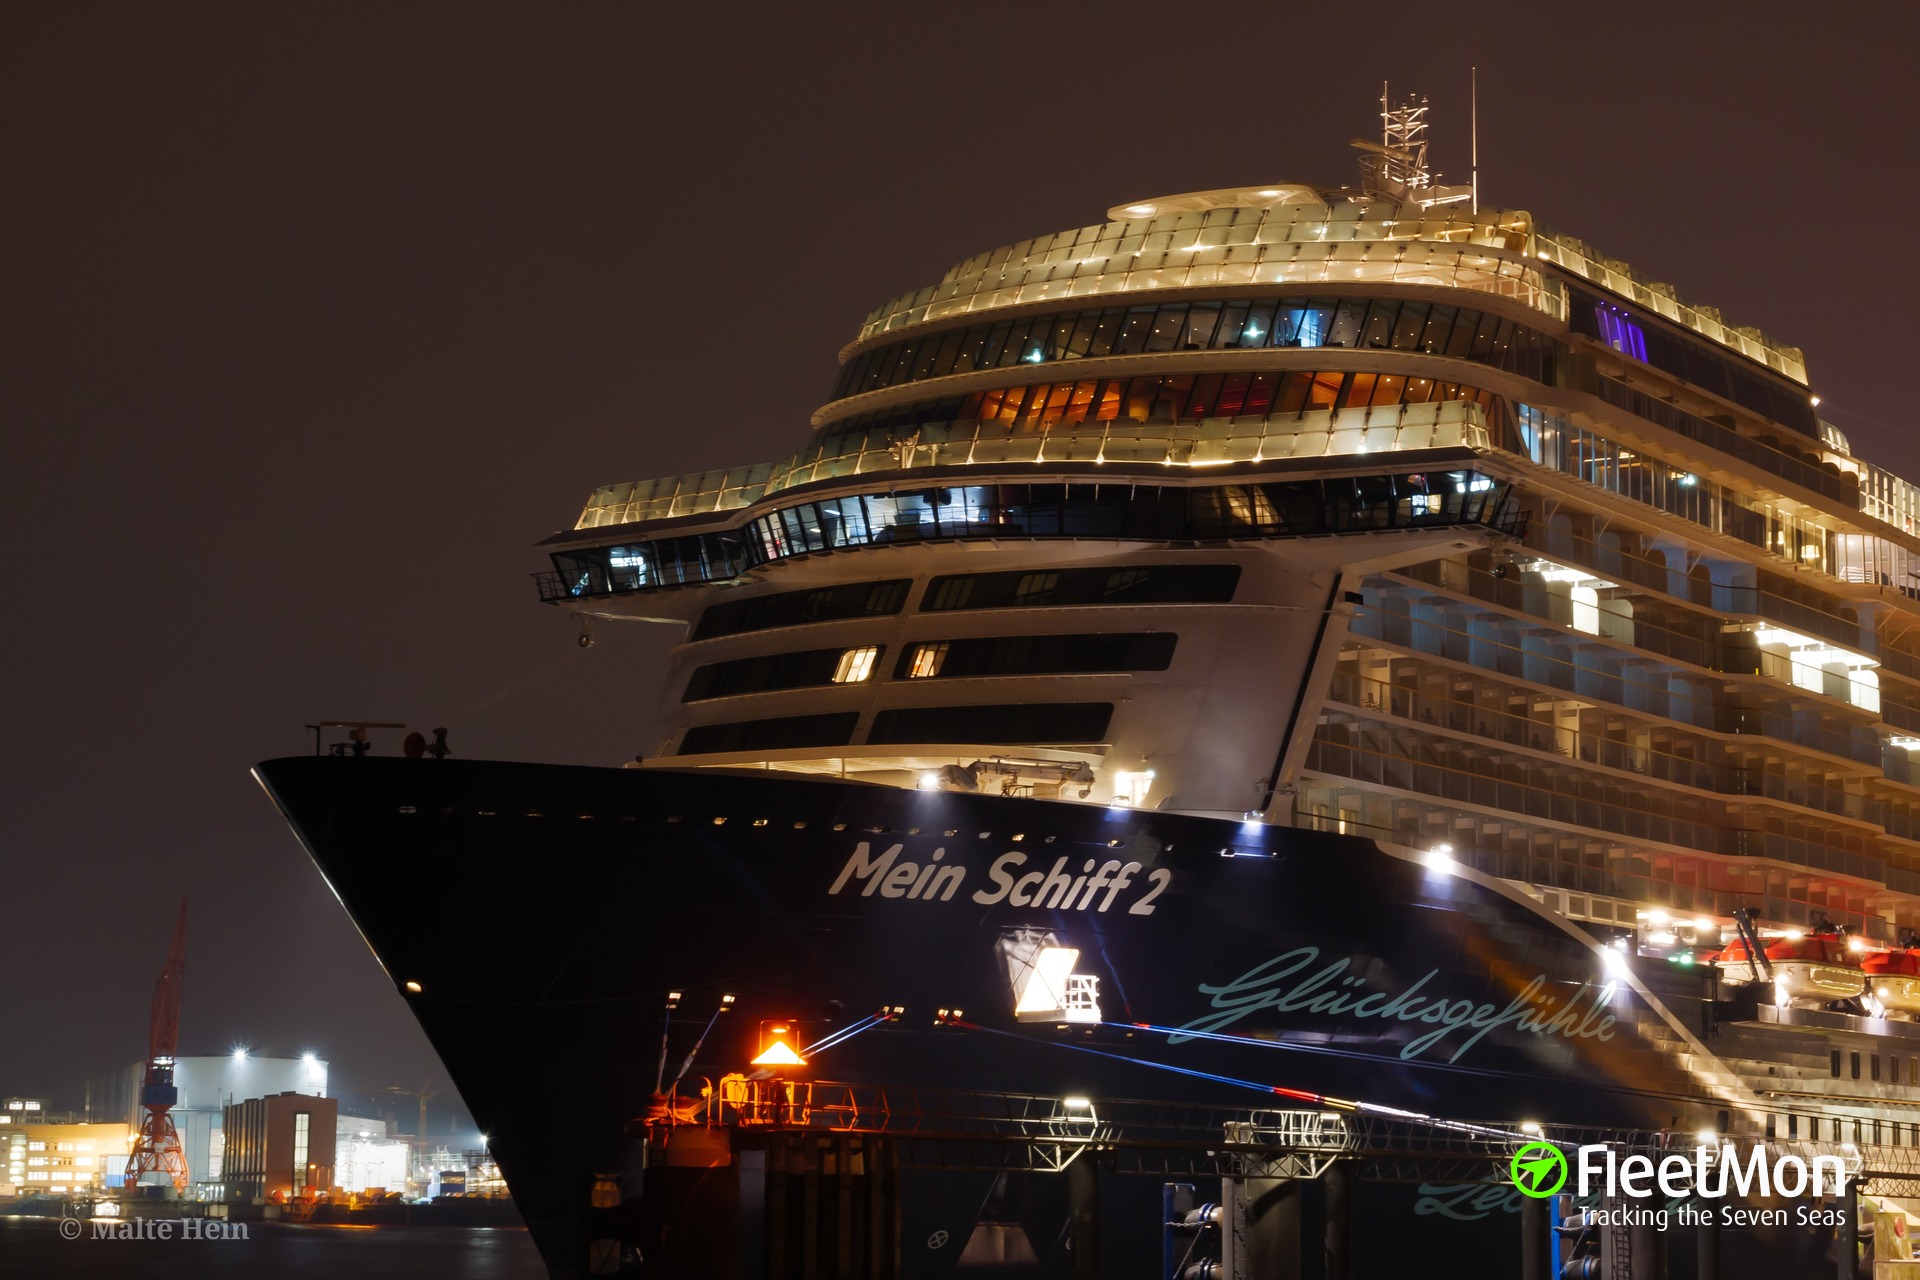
{"points": [[1290, 959]]}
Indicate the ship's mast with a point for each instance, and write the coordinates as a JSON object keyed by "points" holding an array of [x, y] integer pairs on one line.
{"points": [[1397, 166]]}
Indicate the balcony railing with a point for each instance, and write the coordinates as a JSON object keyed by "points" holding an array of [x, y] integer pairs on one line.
{"points": [[1445, 424], [1355, 690], [1539, 666], [1566, 798]]}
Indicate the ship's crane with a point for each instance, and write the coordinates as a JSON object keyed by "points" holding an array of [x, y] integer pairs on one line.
{"points": [[157, 1148]]}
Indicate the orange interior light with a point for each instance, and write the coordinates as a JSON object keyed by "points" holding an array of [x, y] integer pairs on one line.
{"points": [[777, 1046]]}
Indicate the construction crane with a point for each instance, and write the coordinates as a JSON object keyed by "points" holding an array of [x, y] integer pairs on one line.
{"points": [[420, 1095], [157, 1148]]}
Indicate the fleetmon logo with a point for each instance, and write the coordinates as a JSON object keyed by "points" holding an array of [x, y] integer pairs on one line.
{"points": [[1539, 1169]]}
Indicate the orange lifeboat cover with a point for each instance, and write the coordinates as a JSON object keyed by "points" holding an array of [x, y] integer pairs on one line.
{"points": [[1903, 961]]}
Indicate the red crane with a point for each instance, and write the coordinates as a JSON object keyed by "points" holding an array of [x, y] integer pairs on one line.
{"points": [[157, 1148]]}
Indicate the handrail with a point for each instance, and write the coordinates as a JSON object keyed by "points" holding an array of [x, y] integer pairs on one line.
{"points": [[1366, 694], [1439, 424]]}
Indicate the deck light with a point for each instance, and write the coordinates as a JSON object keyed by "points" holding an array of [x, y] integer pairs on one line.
{"points": [[1077, 1104], [414, 987], [775, 1047]]}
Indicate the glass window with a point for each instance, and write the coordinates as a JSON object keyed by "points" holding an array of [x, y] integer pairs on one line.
{"points": [[855, 665], [1202, 321], [1202, 397], [795, 608], [1408, 328], [1438, 328], [993, 346], [1156, 584], [1388, 389], [923, 661], [1260, 328], [1135, 329], [1259, 401], [1345, 329], [1483, 338], [1169, 330], [1080, 341], [947, 357], [1040, 655], [1105, 332], [1231, 399], [1183, 326], [1035, 588], [1233, 327], [1376, 331], [1324, 390]]}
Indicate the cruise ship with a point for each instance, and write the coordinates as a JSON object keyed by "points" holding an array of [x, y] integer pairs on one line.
{"points": [[1348, 665]]}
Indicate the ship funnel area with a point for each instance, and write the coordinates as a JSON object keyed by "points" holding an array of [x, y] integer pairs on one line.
{"points": [[1396, 166], [1045, 987]]}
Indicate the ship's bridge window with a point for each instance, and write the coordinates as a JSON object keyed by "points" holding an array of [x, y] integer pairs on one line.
{"points": [[1038, 655], [1133, 513]]}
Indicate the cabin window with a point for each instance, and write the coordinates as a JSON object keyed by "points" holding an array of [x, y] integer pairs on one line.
{"points": [[796, 608]]}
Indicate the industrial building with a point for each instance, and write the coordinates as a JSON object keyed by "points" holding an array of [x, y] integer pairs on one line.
{"points": [[366, 1159], [206, 1086], [281, 1145], [40, 1157]]}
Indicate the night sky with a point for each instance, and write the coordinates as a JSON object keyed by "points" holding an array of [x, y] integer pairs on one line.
{"points": [[317, 317]]}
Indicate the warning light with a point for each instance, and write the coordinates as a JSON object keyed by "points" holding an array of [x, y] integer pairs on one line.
{"points": [[777, 1041]]}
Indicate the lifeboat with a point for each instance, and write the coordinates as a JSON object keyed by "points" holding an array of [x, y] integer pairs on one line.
{"points": [[1893, 982], [1808, 971]]}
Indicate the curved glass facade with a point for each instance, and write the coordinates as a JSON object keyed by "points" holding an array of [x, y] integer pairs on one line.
{"points": [[1170, 398], [1292, 245], [1295, 508], [1355, 323], [1691, 362]]}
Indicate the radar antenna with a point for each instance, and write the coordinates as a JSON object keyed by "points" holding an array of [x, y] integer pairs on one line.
{"points": [[1396, 166]]}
